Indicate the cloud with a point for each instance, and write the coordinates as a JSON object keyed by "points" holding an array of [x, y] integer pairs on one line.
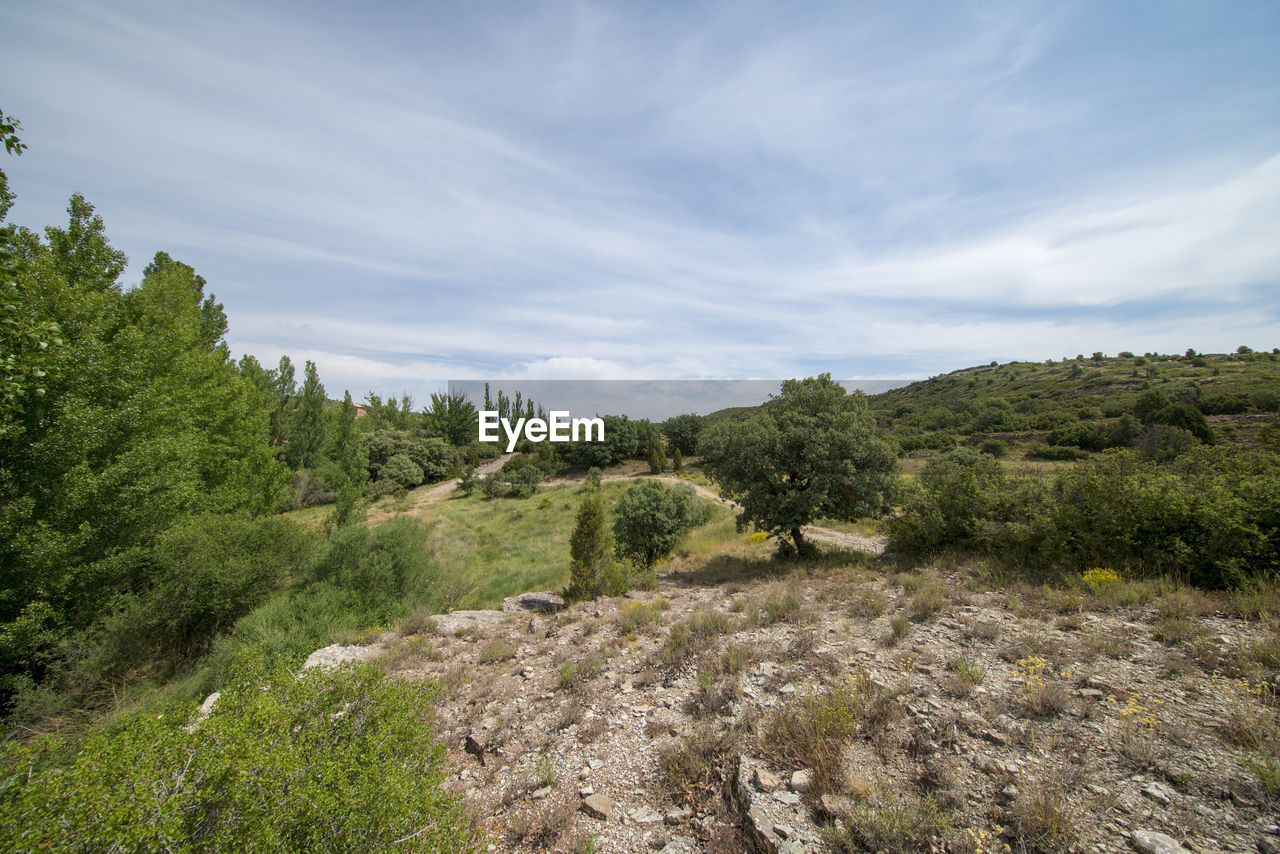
{"points": [[726, 190]]}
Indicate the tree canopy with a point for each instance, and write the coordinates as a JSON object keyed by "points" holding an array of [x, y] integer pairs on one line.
{"points": [[810, 452]]}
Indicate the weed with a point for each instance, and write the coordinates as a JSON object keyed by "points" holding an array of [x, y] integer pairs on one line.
{"points": [[544, 773], [968, 672], [977, 629], [898, 628], [576, 673], [691, 768], [927, 601], [891, 822], [496, 650], [1142, 731], [1100, 580], [1042, 694], [692, 634], [867, 604], [1043, 818], [638, 615]]}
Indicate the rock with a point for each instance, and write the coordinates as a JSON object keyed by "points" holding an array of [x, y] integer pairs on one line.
{"points": [[766, 669], [541, 793], [462, 621], [645, 814], [837, 805], [765, 781], [788, 798], [802, 780], [1151, 842], [677, 816], [475, 747], [1158, 792], [784, 831], [598, 806], [680, 845], [1010, 792], [1268, 845], [335, 654], [1090, 693], [997, 738], [206, 709], [541, 603]]}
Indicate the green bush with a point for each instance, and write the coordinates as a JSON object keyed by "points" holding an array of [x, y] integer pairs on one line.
{"points": [[948, 504], [329, 762], [382, 564], [650, 518], [401, 470], [1056, 452]]}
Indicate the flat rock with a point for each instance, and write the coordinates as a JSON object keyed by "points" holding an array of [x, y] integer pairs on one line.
{"points": [[598, 806], [1151, 842], [765, 781], [645, 814], [335, 654], [541, 603], [461, 621]]}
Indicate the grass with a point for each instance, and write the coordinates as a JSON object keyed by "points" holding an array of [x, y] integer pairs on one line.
{"points": [[639, 615], [496, 650], [893, 822], [694, 634]]}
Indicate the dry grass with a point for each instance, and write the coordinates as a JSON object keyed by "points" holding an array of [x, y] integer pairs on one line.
{"points": [[693, 769], [1042, 815], [496, 650], [893, 822]]}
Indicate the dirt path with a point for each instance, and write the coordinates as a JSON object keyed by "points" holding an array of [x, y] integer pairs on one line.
{"points": [[438, 492]]}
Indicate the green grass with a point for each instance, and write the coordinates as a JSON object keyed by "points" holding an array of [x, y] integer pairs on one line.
{"points": [[506, 546]]}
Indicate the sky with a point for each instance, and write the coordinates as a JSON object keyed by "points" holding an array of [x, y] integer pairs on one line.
{"points": [[408, 193]]}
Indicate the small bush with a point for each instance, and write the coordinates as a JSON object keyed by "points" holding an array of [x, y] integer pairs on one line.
{"points": [[496, 650]]}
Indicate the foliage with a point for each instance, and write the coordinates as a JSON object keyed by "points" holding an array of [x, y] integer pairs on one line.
{"points": [[453, 418], [350, 464], [650, 518], [593, 570], [434, 457], [682, 432], [519, 477], [332, 761], [657, 456], [145, 421], [401, 470], [810, 452], [1210, 516]]}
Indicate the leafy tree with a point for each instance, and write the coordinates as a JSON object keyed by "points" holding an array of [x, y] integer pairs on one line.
{"points": [[144, 420], [453, 418], [682, 432], [351, 464], [650, 519], [677, 461], [307, 437], [811, 451], [403, 471], [434, 456]]}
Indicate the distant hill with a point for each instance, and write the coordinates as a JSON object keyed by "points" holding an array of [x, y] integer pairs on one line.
{"points": [[1026, 401]]}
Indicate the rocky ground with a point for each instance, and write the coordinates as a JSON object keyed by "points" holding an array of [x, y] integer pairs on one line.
{"points": [[855, 707]]}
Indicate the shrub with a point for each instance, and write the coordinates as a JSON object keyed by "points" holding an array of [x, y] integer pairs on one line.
{"points": [[401, 470], [1057, 452], [650, 518], [957, 490], [593, 571], [332, 761]]}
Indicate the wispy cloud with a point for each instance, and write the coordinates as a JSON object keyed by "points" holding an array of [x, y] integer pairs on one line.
{"points": [[624, 190]]}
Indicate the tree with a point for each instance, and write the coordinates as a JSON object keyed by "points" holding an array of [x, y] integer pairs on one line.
{"points": [[682, 432], [453, 418], [677, 461], [351, 463], [592, 569], [657, 456], [809, 452], [650, 519], [307, 438]]}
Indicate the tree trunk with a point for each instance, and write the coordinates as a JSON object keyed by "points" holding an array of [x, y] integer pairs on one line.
{"points": [[798, 539]]}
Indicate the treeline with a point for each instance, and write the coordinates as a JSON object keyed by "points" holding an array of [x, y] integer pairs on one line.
{"points": [[142, 470]]}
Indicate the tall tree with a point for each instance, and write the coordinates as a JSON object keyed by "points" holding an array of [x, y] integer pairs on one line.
{"points": [[810, 452], [452, 417], [307, 438]]}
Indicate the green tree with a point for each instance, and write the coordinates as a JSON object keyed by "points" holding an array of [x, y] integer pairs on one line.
{"points": [[453, 418], [307, 438], [810, 451], [682, 432], [650, 519], [677, 461], [657, 456], [351, 464], [592, 569]]}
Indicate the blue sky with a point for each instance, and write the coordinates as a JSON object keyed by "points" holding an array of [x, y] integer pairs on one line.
{"points": [[411, 192]]}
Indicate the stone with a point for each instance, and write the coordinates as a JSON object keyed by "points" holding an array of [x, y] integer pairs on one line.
{"points": [[680, 845], [765, 781], [997, 738], [788, 798], [837, 805], [475, 747], [802, 781], [464, 621], [598, 806], [677, 816], [206, 709], [1152, 842], [645, 814], [335, 654], [1268, 845], [540, 603], [1090, 693], [1158, 792], [541, 793]]}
